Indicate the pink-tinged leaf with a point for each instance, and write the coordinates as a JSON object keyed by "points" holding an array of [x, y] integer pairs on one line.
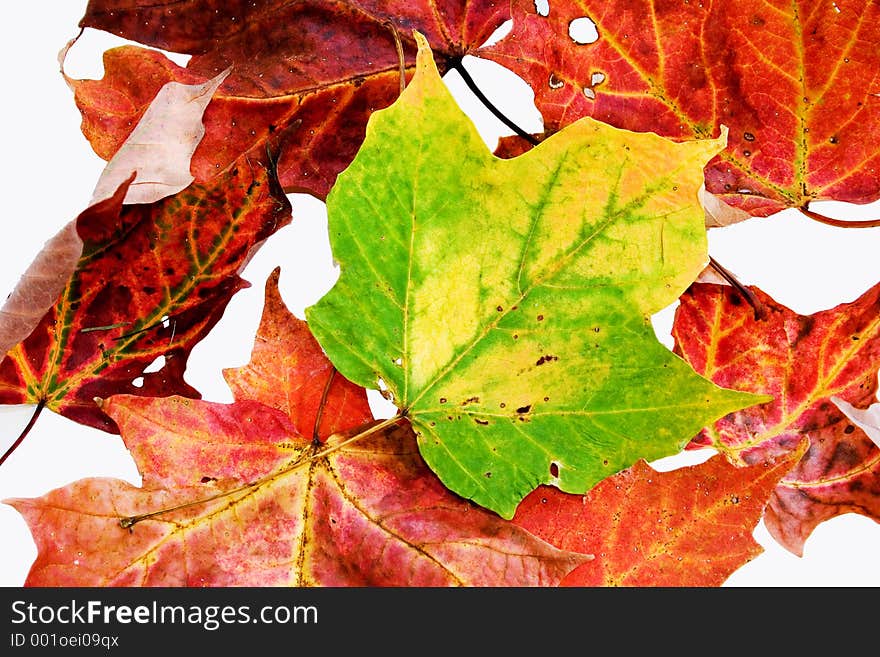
{"points": [[802, 361], [233, 494], [159, 149], [687, 527], [367, 515], [38, 288], [839, 474]]}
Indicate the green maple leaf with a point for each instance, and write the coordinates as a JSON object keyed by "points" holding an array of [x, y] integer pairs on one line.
{"points": [[504, 304]]}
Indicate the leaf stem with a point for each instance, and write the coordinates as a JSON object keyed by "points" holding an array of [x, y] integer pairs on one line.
{"points": [[398, 45], [458, 65], [131, 521], [839, 223], [30, 425], [326, 393], [754, 302]]}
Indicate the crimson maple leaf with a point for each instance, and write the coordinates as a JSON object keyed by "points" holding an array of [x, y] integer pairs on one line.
{"points": [[802, 361], [795, 83], [306, 75]]}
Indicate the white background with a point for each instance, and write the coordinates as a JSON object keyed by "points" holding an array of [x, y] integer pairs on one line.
{"points": [[49, 172]]}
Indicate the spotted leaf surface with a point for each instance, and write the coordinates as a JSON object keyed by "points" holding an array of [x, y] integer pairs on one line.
{"points": [[795, 83], [504, 303]]}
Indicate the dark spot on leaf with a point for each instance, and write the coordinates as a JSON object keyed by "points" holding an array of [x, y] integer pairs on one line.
{"points": [[540, 318], [855, 338], [524, 409], [503, 405], [832, 139], [806, 326], [735, 300], [747, 153], [443, 400], [479, 421], [554, 469], [148, 290], [845, 457], [205, 480], [849, 429], [748, 136], [757, 20], [487, 475], [499, 308], [546, 399], [596, 329], [546, 359], [471, 400]]}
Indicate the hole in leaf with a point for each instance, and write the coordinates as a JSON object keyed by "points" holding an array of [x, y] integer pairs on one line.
{"points": [[156, 365], [500, 32], [542, 7], [583, 30], [138, 382]]}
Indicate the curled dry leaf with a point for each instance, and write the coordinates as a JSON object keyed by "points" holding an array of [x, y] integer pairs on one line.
{"points": [[38, 288], [158, 154], [867, 419], [159, 149]]}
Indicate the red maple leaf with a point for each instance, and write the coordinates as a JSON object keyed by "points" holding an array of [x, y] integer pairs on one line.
{"points": [[802, 361], [233, 494], [795, 83]]}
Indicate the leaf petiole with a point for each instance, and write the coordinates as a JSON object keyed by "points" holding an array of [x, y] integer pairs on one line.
{"points": [[315, 437], [838, 223]]}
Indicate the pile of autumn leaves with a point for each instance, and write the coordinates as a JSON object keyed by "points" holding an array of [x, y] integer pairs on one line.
{"points": [[503, 305]]}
